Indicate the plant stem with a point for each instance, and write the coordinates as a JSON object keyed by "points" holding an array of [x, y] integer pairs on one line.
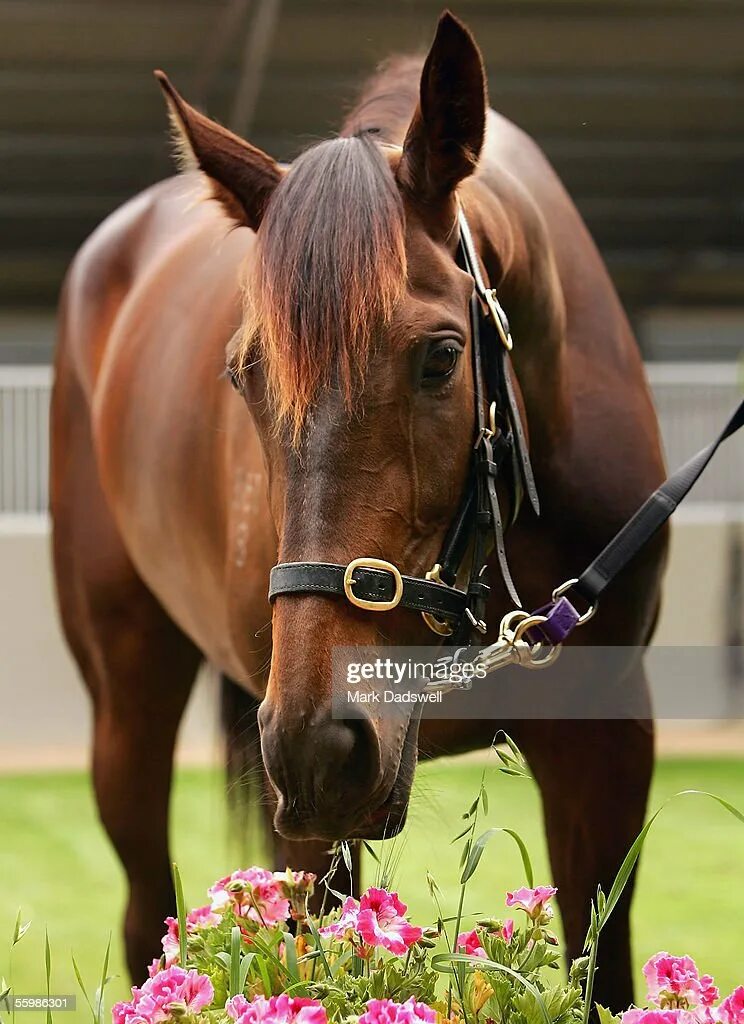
{"points": [[591, 971]]}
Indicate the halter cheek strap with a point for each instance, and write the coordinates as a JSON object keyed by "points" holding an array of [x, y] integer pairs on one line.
{"points": [[478, 527]]}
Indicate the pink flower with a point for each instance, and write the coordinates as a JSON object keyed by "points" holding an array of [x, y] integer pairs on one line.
{"points": [[507, 930], [347, 922], [202, 917], [153, 969], [152, 1003], [381, 922], [385, 1011], [470, 943], [673, 982], [731, 1010], [282, 1009], [123, 1014], [656, 1016], [379, 919], [532, 901], [254, 894]]}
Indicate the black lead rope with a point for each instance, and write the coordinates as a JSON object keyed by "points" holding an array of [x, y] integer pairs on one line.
{"points": [[551, 625], [650, 517]]}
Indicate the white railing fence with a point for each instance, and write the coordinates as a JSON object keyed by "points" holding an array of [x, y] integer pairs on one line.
{"points": [[693, 401], [24, 439]]}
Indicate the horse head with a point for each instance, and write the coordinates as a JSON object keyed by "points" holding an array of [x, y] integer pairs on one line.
{"points": [[354, 359]]}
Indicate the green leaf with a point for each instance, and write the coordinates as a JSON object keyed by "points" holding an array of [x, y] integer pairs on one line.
{"points": [[319, 946], [476, 852], [370, 850], [446, 963], [461, 835], [265, 978], [346, 854], [181, 913], [19, 930], [519, 756], [631, 857], [48, 967], [341, 961], [235, 961], [290, 947], [245, 966], [606, 1016], [83, 989], [104, 979]]}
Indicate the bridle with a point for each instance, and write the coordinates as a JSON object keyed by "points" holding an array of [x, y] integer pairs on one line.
{"points": [[532, 640], [478, 526]]}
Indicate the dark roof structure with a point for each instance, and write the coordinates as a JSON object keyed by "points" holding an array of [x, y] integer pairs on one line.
{"points": [[638, 103]]}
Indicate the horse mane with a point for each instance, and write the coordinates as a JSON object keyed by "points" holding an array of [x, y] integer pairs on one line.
{"points": [[329, 269]]}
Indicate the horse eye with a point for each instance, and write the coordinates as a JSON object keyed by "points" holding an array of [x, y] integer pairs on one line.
{"points": [[440, 362]]}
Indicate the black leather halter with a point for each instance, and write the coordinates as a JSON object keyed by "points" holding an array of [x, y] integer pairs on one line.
{"points": [[478, 527]]}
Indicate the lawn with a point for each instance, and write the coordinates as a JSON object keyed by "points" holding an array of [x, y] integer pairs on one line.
{"points": [[56, 865]]}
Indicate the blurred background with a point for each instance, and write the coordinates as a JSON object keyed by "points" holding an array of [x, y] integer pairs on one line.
{"points": [[639, 104]]}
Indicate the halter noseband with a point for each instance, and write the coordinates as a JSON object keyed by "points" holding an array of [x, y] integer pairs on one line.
{"points": [[376, 585]]}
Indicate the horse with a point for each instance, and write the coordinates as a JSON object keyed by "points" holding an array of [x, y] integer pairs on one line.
{"points": [[331, 290]]}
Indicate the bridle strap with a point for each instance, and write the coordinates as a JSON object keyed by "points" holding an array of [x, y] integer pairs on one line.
{"points": [[497, 324], [366, 583]]}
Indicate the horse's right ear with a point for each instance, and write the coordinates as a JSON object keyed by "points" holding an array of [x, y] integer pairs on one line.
{"points": [[445, 137], [242, 176]]}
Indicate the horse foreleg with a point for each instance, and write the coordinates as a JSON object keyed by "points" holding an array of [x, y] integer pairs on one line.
{"points": [[146, 672], [594, 777], [137, 666]]}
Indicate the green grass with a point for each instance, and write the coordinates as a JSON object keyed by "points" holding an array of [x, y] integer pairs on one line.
{"points": [[57, 866]]}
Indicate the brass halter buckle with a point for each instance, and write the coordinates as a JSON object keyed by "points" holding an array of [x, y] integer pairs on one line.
{"points": [[383, 566], [439, 626]]}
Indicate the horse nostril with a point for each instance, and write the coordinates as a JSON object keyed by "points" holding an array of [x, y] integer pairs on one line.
{"points": [[353, 748], [325, 769]]}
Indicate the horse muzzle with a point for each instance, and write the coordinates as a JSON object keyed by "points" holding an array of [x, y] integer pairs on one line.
{"points": [[338, 779]]}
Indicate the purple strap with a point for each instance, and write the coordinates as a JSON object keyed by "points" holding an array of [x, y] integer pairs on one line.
{"points": [[560, 619]]}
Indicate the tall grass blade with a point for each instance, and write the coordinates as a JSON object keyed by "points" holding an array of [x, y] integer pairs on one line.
{"points": [[181, 913], [319, 947], [83, 989], [48, 967], [235, 961], [104, 981], [631, 857]]}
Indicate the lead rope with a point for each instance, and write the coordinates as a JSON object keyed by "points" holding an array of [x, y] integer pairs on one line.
{"points": [[535, 640]]}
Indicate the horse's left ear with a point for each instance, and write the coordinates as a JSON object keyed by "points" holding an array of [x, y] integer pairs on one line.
{"points": [[242, 176], [445, 137]]}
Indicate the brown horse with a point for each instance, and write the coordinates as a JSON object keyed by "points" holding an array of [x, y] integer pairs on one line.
{"points": [[172, 496]]}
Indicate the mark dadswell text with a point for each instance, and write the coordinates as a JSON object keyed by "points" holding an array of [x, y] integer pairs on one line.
{"points": [[393, 697]]}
